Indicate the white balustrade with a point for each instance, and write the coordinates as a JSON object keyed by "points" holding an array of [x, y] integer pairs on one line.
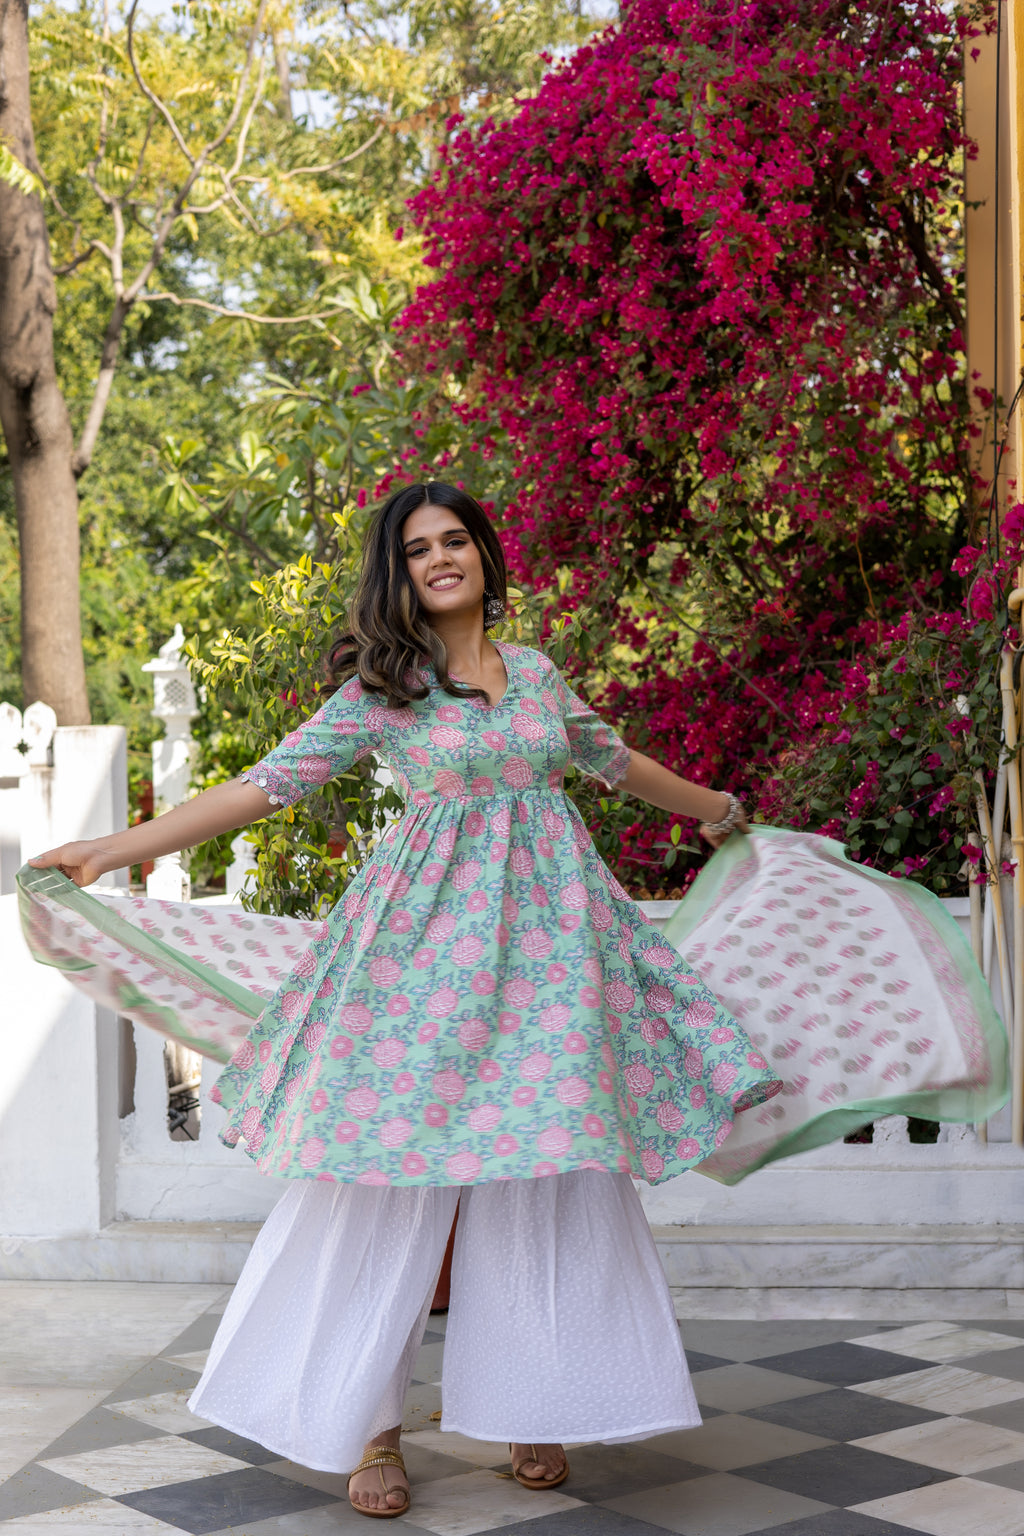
{"points": [[77, 1166], [25, 743], [174, 703], [58, 1089], [190, 1176], [891, 1131]]}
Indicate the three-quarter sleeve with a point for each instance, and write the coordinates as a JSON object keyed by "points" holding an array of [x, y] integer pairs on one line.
{"points": [[329, 742], [595, 748]]}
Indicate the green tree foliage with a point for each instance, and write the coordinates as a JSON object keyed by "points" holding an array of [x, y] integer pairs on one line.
{"points": [[230, 444]]}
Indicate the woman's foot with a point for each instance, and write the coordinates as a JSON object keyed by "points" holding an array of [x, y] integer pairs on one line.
{"points": [[365, 1489], [539, 1463]]}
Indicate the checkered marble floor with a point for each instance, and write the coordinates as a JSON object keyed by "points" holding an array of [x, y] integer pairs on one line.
{"points": [[811, 1429]]}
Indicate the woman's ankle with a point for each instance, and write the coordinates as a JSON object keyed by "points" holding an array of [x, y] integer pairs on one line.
{"points": [[387, 1437]]}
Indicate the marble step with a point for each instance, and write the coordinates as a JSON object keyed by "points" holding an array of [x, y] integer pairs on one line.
{"points": [[707, 1266], [883, 1256], [200, 1252]]}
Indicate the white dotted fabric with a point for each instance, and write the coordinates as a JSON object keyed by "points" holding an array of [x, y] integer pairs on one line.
{"points": [[561, 1326]]}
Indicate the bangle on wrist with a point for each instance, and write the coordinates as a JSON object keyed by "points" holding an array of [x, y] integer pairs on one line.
{"points": [[730, 821]]}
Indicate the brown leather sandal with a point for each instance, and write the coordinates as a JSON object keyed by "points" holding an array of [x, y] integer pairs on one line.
{"points": [[538, 1482], [381, 1456]]}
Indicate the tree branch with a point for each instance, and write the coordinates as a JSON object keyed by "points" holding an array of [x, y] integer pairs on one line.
{"points": [[75, 262], [150, 95], [198, 164], [51, 192], [82, 456], [140, 163], [238, 314], [164, 221], [243, 134], [243, 82], [239, 533], [322, 170], [929, 268]]}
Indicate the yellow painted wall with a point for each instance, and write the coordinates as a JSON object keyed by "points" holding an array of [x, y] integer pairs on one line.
{"points": [[995, 184], [1016, 275]]}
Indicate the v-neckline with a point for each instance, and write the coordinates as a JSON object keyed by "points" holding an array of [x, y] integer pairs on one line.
{"points": [[499, 647]]}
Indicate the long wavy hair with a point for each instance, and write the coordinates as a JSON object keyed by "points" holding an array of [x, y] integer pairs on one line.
{"points": [[390, 634]]}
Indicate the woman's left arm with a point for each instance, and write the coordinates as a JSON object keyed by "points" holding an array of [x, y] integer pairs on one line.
{"points": [[596, 749], [659, 786]]}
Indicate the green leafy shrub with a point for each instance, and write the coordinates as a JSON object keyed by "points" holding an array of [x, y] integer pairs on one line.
{"points": [[304, 853]]}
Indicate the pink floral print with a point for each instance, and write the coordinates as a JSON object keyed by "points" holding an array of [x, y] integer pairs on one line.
{"points": [[485, 1000]]}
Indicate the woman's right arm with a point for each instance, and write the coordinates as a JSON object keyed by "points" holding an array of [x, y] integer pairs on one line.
{"points": [[224, 808]]}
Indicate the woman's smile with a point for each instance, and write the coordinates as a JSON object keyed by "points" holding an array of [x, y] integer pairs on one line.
{"points": [[443, 561]]}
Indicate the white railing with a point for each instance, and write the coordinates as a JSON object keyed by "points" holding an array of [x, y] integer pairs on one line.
{"points": [[24, 744]]}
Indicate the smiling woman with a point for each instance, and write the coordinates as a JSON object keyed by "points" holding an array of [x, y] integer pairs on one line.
{"points": [[485, 1018], [433, 581]]}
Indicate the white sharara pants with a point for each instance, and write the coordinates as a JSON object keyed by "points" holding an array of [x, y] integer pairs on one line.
{"points": [[561, 1326]]}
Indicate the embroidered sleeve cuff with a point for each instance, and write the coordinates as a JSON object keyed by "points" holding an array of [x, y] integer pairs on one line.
{"points": [[279, 787]]}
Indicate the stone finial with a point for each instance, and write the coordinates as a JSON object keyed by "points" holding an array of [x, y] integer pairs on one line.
{"points": [[174, 697], [25, 740], [13, 763], [174, 702], [39, 724], [171, 649]]}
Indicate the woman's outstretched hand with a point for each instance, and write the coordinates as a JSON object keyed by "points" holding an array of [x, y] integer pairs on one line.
{"points": [[82, 862], [716, 839], [224, 808]]}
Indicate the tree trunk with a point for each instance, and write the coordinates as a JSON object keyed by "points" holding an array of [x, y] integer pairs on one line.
{"points": [[33, 413]]}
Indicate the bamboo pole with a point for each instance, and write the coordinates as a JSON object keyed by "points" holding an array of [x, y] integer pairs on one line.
{"points": [[998, 823], [1010, 734], [977, 939], [978, 946], [993, 859], [999, 808]]}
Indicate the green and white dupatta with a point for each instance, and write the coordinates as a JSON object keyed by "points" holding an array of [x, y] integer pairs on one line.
{"points": [[859, 989]]}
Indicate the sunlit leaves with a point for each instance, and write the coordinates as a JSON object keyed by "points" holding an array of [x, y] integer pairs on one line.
{"points": [[17, 175]]}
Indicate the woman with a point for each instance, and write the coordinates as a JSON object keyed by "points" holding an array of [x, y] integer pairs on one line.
{"points": [[486, 1013]]}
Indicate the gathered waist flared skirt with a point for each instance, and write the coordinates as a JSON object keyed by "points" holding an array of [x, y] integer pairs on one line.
{"points": [[801, 997]]}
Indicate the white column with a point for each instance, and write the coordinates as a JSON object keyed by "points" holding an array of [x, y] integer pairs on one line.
{"points": [[174, 703], [13, 767], [58, 1113], [236, 878]]}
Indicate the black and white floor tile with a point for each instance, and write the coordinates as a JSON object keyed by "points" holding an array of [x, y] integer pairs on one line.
{"points": [[812, 1429]]}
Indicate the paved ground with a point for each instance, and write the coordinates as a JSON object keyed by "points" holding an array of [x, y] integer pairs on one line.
{"points": [[812, 1429]]}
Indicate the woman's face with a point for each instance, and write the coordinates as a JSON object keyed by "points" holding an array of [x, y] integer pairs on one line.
{"points": [[444, 564]]}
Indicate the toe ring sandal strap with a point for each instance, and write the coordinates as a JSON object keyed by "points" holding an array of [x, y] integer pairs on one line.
{"points": [[381, 1456], [538, 1482]]}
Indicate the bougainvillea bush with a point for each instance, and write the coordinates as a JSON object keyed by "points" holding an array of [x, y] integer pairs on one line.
{"points": [[705, 288]]}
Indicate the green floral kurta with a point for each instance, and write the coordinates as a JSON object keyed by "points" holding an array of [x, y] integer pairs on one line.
{"points": [[485, 1001]]}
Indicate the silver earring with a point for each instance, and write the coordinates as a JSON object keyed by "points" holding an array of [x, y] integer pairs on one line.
{"points": [[494, 610]]}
